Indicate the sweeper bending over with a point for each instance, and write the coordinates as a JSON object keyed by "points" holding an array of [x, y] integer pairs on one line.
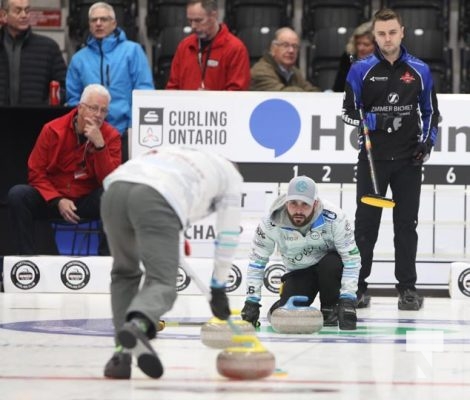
{"points": [[148, 201]]}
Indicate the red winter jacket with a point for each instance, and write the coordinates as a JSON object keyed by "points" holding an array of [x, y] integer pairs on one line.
{"points": [[228, 66], [56, 163]]}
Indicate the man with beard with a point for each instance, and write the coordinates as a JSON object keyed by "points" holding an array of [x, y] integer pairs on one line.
{"points": [[316, 242]]}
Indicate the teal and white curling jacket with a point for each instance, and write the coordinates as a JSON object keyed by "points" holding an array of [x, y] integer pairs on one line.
{"points": [[302, 247]]}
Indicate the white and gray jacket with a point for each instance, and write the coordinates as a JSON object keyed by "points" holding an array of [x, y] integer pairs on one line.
{"points": [[328, 231], [195, 183]]}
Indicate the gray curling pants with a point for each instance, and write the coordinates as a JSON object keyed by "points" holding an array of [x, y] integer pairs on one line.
{"points": [[141, 227]]}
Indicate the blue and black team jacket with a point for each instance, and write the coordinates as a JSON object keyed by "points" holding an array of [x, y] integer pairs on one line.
{"points": [[404, 89]]}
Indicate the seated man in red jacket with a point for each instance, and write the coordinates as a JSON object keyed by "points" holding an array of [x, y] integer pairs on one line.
{"points": [[66, 168]]}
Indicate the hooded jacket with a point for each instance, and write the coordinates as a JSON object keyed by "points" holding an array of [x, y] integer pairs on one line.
{"points": [[329, 230], [116, 63]]}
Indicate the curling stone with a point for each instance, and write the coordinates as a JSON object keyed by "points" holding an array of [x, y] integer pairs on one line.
{"points": [[161, 325], [290, 318], [218, 334], [246, 363]]}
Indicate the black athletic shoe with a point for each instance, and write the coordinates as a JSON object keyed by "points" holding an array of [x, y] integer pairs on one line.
{"points": [[330, 315], [119, 366], [347, 315], [409, 300], [363, 299], [132, 338]]}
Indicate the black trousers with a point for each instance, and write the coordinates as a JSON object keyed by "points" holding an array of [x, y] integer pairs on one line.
{"points": [[404, 180], [324, 277], [27, 205], [124, 147]]}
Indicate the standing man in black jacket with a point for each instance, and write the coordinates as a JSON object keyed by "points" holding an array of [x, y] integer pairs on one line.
{"points": [[28, 61], [397, 96]]}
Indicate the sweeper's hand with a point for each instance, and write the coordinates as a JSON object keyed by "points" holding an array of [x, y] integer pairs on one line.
{"points": [[250, 312], [389, 123], [422, 152], [219, 303]]}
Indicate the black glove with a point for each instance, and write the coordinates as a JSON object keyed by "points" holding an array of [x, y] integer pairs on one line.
{"points": [[388, 123], [250, 312], [219, 303], [422, 152], [347, 314]]}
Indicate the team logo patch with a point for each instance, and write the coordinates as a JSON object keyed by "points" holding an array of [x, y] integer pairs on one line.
{"points": [[25, 275], [407, 77], [329, 214], [378, 78], [315, 235], [393, 98]]}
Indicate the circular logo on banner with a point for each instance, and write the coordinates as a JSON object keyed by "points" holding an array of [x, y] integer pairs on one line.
{"points": [[75, 275], [234, 279], [272, 277], [25, 275], [464, 282], [182, 279]]}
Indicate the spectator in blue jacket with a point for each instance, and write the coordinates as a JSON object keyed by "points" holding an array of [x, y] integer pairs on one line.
{"points": [[112, 61]]}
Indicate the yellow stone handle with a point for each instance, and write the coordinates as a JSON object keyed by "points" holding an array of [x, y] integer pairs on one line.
{"points": [[250, 343]]}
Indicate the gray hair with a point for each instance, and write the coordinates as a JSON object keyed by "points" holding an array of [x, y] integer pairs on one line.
{"points": [[92, 89], [280, 31], [102, 4], [207, 5]]}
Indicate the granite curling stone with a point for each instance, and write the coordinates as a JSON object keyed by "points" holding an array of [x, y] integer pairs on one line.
{"points": [[290, 318], [218, 334], [249, 361]]}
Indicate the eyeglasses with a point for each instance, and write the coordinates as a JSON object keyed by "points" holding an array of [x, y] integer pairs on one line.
{"points": [[286, 45], [96, 109], [18, 10], [94, 20]]}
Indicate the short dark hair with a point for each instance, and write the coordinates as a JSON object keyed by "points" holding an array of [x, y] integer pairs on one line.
{"points": [[386, 14], [208, 5]]}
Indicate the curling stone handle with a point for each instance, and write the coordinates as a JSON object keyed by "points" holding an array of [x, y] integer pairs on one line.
{"points": [[290, 302], [248, 340]]}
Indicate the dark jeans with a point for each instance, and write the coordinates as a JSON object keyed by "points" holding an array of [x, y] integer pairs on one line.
{"points": [[27, 205], [405, 182], [324, 277]]}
